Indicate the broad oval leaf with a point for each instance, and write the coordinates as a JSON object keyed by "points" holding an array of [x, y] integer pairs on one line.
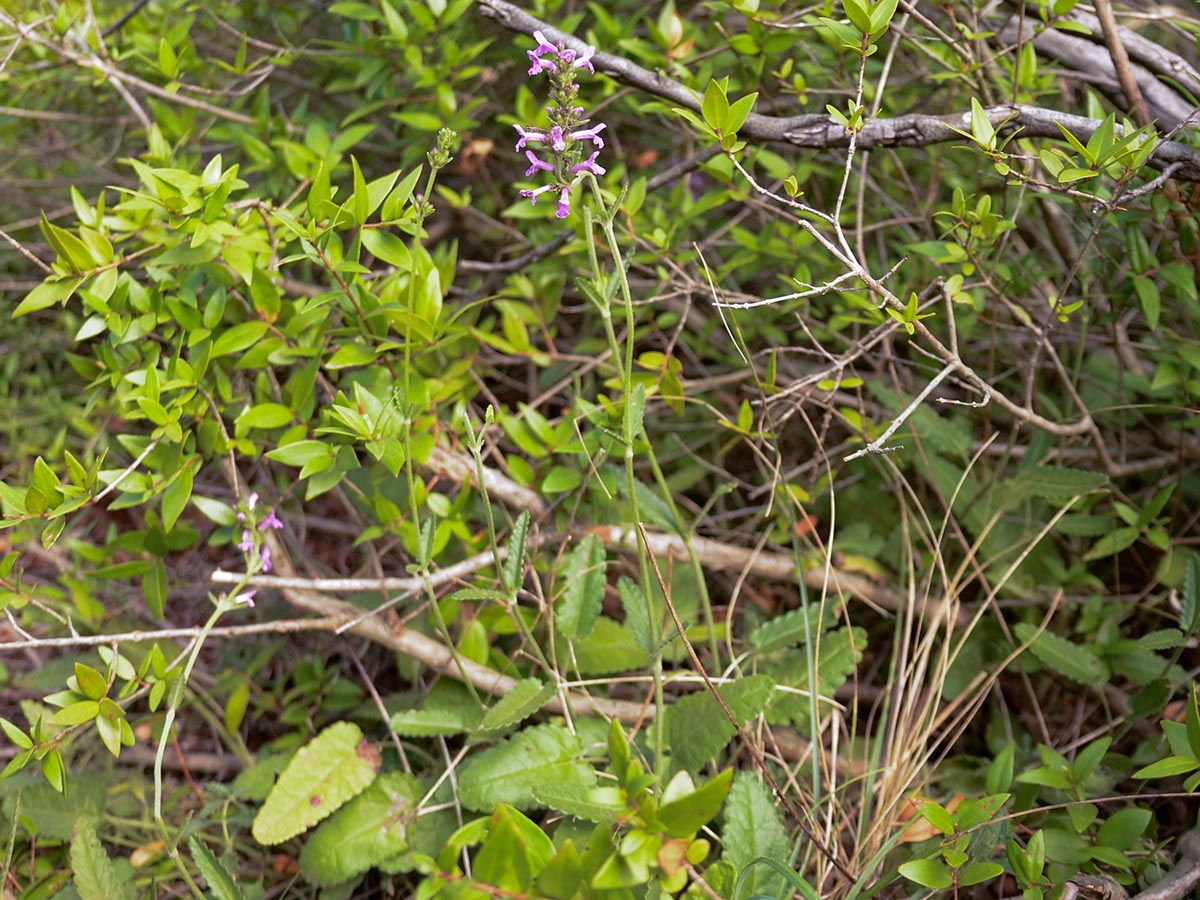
{"points": [[333, 767], [366, 831], [508, 772]]}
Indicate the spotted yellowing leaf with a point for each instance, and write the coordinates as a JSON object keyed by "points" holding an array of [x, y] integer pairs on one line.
{"points": [[333, 767]]}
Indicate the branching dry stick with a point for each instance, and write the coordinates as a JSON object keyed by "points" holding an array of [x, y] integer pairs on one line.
{"points": [[712, 555], [822, 131]]}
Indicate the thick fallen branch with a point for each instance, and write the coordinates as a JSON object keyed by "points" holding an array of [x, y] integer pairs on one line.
{"points": [[822, 131]]}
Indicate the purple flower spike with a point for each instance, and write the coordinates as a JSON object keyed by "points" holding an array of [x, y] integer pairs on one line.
{"points": [[556, 139], [591, 134], [271, 521], [564, 203], [589, 165], [534, 136]]}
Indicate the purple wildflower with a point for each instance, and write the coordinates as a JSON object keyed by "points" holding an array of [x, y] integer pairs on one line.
{"points": [[247, 544], [536, 164], [563, 142], [591, 134], [271, 521], [588, 165], [246, 598], [265, 557], [537, 192]]}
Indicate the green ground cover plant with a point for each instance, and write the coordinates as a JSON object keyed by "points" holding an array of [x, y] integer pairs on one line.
{"points": [[599, 452]]}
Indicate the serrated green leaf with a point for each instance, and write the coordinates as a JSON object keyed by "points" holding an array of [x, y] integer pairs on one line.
{"points": [[697, 726], [585, 577], [637, 619], [95, 876], [791, 628], [754, 829], [220, 882], [1063, 656], [526, 697], [1055, 483], [366, 831], [508, 772], [582, 801], [611, 647], [333, 767], [514, 565]]}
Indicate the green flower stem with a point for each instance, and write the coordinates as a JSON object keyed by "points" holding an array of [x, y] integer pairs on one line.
{"points": [[626, 374], [225, 603]]}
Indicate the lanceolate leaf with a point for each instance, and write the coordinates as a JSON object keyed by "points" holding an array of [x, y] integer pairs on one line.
{"points": [[754, 828], [366, 831], [220, 883], [527, 697], [509, 771], [1067, 658], [95, 876], [333, 767], [1055, 483], [583, 571]]}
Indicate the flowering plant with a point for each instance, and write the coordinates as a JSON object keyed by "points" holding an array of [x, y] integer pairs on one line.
{"points": [[565, 141]]}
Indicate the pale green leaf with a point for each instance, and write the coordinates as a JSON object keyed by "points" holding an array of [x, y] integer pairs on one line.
{"points": [[366, 831], [1063, 656], [526, 697], [697, 726], [754, 828], [220, 883], [333, 767], [583, 572]]}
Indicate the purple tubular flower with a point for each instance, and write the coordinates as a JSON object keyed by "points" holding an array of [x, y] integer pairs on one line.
{"points": [[266, 558], [588, 165], [247, 544], [564, 203], [537, 192], [271, 521], [590, 134], [247, 598], [584, 61], [556, 139], [536, 164], [544, 46], [534, 136], [540, 65]]}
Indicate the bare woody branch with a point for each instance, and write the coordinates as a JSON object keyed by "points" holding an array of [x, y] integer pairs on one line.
{"points": [[822, 131]]}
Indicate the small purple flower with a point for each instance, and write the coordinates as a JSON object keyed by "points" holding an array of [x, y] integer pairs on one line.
{"points": [[246, 598], [544, 46], [588, 165], [537, 192], [591, 134], [556, 139], [540, 65], [564, 202], [271, 521], [252, 501], [536, 164], [266, 558], [527, 136], [584, 61], [247, 544]]}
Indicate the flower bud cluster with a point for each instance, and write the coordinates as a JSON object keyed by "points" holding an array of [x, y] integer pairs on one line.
{"points": [[563, 145], [258, 552]]}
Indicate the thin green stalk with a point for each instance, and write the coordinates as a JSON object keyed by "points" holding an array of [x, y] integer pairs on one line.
{"points": [[629, 431]]}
